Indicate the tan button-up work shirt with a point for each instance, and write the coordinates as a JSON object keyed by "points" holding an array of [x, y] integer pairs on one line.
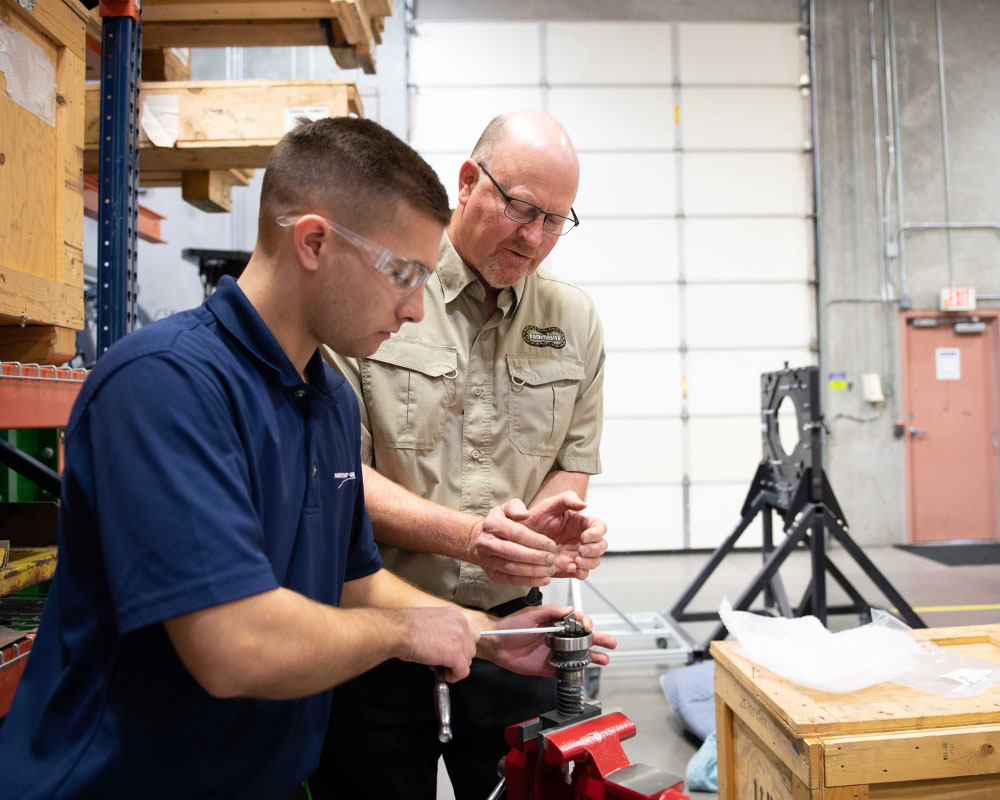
{"points": [[470, 411]]}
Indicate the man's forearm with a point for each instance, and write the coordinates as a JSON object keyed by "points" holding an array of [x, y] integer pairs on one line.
{"points": [[403, 519], [280, 644], [558, 481]]}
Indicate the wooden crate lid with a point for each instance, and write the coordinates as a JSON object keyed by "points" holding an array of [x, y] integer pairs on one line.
{"points": [[884, 707]]}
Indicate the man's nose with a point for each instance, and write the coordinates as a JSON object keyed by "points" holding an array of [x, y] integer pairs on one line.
{"points": [[532, 231], [411, 308]]}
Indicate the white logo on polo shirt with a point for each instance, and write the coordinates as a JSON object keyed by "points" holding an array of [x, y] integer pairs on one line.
{"points": [[344, 477]]}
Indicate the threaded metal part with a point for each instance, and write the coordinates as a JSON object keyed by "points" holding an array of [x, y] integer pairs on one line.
{"points": [[569, 698]]}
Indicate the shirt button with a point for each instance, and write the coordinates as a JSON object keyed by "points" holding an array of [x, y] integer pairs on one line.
{"points": [[300, 393], [478, 391], [476, 454], [314, 470]]}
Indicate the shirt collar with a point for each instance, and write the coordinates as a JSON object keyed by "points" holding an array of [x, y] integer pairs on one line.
{"points": [[455, 275], [238, 316]]}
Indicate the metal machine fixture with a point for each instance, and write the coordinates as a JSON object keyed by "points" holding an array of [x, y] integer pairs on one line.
{"points": [[573, 752]]}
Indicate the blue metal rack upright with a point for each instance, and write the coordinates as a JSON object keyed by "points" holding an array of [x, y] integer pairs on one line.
{"points": [[118, 172]]}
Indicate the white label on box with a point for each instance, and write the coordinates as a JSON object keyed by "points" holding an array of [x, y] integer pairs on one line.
{"points": [[29, 74], [948, 364], [309, 112], [160, 119]]}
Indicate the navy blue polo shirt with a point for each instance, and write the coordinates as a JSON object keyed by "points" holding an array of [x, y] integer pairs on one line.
{"points": [[200, 469]]}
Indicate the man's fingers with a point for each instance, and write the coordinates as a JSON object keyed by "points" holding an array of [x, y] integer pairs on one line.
{"points": [[514, 534], [515, 508]]}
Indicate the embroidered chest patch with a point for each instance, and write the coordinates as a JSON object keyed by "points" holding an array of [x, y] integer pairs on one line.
{"points": [[544, 337]]}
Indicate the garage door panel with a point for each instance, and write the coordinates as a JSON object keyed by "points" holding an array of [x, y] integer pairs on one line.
{"points": [[627, 184], [617, 250], [620, 118], [715, 513], [738, 119], [475, 53], [724, 382], [749, 184], [452, 119], [642, 384], [750, 316], [639, 517], [725, 448], [642, 450], [738, 249], [741, 53], [638, 320], [642, 52]]}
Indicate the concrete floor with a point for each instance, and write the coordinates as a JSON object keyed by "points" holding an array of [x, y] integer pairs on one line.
{"points": [[637, 583]]}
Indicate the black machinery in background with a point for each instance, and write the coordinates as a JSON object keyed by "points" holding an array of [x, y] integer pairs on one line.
{"points": [[794, 485]]}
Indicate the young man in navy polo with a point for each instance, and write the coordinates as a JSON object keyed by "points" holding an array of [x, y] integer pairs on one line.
{"points": [[217, 574]]}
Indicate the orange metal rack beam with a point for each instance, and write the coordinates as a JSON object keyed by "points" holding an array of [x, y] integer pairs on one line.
{"points": [[33, 396]]}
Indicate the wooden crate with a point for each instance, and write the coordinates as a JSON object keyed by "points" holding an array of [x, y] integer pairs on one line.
{"points": [[41, 180], [223, 125], [781, 741]]}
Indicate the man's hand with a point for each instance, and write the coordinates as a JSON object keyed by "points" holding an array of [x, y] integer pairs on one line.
{"points": [[579, 538], [510, 552], [439, 636], [528, 653], [529, 547]]}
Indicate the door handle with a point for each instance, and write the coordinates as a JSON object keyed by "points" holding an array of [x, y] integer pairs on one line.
{"points": [[915, 431]]}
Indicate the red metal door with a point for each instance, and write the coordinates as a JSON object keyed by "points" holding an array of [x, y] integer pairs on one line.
{"points": [[951, 429]]}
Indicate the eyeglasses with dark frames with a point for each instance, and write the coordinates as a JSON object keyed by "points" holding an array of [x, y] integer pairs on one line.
{"points": [[524, 212], [402, 273]]}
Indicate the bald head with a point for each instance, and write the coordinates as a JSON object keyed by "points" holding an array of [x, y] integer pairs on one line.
{"points": [[529, 132], [527, 158]]}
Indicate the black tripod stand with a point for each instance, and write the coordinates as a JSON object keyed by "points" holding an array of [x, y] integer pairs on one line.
{"points": [[794, 485]]}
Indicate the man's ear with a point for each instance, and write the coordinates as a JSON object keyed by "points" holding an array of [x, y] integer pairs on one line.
{"points": [[468, 176], [310, 235]]}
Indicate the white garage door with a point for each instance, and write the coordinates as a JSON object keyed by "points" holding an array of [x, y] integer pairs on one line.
{"points": [[695, 238]]}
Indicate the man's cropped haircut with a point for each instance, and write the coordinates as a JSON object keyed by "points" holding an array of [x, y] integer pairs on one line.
{"points": [[353, 168]]}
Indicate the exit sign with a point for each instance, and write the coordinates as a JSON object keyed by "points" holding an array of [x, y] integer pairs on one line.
{"points": [[958, 300]]}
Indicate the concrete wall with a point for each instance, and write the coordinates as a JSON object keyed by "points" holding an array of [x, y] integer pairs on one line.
{"points": [[865, 460]]}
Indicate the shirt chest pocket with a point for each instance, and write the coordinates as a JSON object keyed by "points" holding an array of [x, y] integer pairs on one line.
{"points": [[408, 388], [541, 394]]}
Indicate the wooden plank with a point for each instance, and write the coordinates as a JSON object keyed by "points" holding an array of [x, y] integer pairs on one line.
{"points": [[26, 568], [69, 191], [847, 793], [225, 124], [164, 64], [791, 751], [37, 344], [209, 190], [197, 10], [724, 749], [884, 707], [353, 20], [979, 787], [915, 755], [379, 8], [758, 773], [235, 33], [28, 298]]}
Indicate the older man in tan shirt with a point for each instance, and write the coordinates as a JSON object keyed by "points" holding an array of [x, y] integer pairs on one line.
{"points": [[492, 402]]}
